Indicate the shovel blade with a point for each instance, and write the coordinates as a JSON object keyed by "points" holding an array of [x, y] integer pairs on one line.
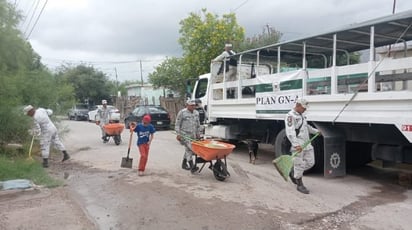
{"points": [[126, 162]]}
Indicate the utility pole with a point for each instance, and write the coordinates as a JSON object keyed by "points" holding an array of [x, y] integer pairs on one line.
{"points": [[117, 96], [394, 6], [268, 27], [141, 79], [117, 83], [141, 72]]}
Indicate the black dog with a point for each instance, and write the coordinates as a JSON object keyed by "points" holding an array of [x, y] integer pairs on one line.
{"points": [[253, 146]]}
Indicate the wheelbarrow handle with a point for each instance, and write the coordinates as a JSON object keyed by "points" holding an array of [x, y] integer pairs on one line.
{"points": [[187, 137]]}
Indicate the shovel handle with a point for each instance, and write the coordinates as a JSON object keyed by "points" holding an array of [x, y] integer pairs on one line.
{"points": [[31, 146], [130, 143]]}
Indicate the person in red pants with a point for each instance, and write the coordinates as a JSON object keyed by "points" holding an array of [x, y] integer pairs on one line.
{"points": [[145, 132]]}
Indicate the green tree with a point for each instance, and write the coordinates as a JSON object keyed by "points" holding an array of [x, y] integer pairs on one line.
{"points": [[202, 37], [267, 37], [169, 75], [23, 79], [90, 85], [15, 52]]}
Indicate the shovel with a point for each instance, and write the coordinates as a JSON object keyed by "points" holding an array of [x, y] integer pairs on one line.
{"points": [[127, 162], [284, 163], [30, 149]]}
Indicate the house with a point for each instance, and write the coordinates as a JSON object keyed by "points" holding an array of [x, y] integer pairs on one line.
{"points": [[146, 93]]}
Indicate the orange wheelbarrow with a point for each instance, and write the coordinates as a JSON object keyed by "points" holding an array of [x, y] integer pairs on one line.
{"points": [[113, 130], [214, 153]]}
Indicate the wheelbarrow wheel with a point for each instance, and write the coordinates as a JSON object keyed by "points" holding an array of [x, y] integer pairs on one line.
{"points": [[218, 176], [106, 138], [219, 170], [117, 139]]}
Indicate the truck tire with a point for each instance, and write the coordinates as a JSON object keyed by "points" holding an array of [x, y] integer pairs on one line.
{"points": [[282, 144]]}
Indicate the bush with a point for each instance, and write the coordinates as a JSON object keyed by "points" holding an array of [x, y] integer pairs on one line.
{"points": [[13, 125]]}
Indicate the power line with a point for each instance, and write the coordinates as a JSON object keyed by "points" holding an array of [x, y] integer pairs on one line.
{"points": [[28, 13], [241, 4], [38, 17], [104, 62], [32, 15]]}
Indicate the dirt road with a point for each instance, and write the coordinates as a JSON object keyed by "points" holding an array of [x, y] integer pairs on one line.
{"points": [[101, 195]]}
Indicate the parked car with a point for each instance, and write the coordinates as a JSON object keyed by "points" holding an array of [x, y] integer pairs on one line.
{"points": [[114, 112], [78, 112], [160, 116]]}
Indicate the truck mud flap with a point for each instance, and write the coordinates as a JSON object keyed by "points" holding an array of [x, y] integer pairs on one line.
{"points": [[334, 142]]}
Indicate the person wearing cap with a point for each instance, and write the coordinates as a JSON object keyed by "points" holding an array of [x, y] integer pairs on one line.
{"points": [[145, 133], [102, 119], [297, 131], [229, 64], [187, 127], [48, 133]]}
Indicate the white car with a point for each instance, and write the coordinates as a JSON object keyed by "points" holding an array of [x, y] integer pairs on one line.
{"points": [[114, 113]]}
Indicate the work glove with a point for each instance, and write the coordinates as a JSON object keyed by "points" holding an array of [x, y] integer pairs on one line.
{"points": [[132, 126], [34, 132], [49, 112], [198, 136]]}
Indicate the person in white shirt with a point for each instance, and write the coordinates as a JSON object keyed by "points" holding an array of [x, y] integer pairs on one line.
{"points": [[229, 64], [48, 132], [102, 119]]}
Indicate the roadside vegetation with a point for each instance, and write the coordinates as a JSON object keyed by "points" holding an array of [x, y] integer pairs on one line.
{"points": [[25, 80], [24, 168]]}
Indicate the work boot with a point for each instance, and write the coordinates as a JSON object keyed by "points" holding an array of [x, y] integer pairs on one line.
{"points": [[193, 167], [66, 156], [184, 164], [292, 178], [301, 188], [45, 163]]}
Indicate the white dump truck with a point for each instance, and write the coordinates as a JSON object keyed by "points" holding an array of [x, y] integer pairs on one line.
{"points": [[363, 109]]}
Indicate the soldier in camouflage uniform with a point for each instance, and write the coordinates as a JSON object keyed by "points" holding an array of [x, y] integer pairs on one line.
{"points": [[187, 127], [297, 131]]}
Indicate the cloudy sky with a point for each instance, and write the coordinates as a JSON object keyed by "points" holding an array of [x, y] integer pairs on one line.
{"points": [[122, 34]]}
